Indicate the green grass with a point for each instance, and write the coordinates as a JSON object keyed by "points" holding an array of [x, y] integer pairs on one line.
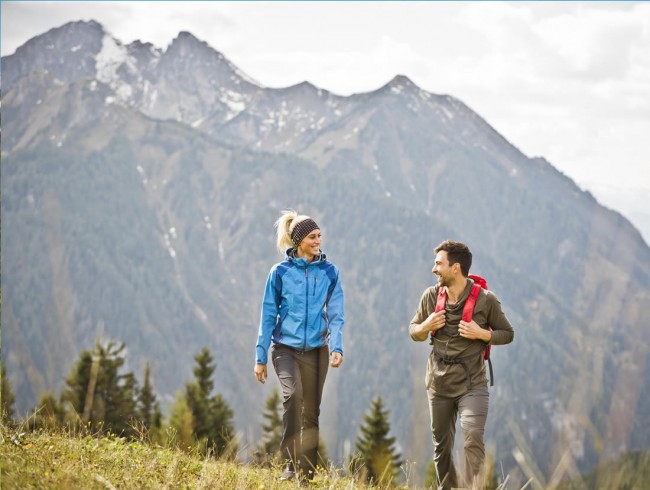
{"points": [[62, 460]]}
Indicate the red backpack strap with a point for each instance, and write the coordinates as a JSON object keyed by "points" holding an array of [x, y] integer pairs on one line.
{"points": [[441, 302], [479, 282], [468, 309]]}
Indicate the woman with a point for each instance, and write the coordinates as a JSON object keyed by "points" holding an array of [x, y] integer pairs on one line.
{"points": [[302, 310]]}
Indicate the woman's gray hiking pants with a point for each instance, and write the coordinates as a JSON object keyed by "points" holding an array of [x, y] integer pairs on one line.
{"points": [[302, 376]]}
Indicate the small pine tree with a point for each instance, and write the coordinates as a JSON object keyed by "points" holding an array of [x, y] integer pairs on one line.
{"points": [[222, 431], [376, 459], [181, 422], [213, 425], [269, 446], [99, 394], [77, 384], [48, 413], [8, 398], [146, 399], [148, 411], [198, 392]]}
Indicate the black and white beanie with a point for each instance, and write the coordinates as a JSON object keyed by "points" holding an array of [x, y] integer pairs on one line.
{"points": [[302, 229]]}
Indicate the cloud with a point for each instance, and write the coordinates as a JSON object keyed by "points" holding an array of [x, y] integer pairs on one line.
{"points": [[595, 44], [342, 72]]}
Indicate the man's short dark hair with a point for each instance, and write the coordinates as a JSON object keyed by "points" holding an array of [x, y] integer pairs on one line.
{"points": [[457, 252]]}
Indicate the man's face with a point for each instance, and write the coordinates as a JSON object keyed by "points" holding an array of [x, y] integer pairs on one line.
{"points": [[442, 269]]}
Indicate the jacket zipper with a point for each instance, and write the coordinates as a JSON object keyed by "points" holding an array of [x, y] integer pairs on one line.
{"points": [[304, 343]]}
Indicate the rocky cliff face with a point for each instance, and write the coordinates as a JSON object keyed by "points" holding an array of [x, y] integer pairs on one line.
{"points": [[139, 188]]}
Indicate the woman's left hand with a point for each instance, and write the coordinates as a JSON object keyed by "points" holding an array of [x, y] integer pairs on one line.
{"points": [[336, 359], [261, 373]]}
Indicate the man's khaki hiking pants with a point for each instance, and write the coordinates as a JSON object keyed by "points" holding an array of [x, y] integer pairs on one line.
{"points": [[473, 409]]}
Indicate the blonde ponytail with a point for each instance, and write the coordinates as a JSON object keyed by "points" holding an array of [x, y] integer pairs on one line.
{"points": [[285, 225]]}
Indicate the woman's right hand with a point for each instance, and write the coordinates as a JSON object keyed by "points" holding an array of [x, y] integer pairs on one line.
{"points": [[261, 373]]}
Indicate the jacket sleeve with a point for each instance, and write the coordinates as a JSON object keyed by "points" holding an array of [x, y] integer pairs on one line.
{"points": [[268, 319], [336, 316], [421, 314], [502, 331]]}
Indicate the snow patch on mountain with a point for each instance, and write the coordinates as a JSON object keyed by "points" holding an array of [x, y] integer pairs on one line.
{"points": [[107, 62], [111, 56], [235, 101]]}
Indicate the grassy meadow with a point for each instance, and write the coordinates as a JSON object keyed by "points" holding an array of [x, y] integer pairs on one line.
{"points": [[63, 460]]}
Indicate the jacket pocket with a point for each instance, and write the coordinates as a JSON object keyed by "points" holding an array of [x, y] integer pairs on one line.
{"points": [[324, 328], [278, 326]]}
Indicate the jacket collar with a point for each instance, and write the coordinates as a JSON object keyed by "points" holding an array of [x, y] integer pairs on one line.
{"points": [[290, 255]]}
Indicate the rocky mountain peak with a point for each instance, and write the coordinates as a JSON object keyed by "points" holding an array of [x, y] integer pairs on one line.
{"points": [[401, 88], [190, 57], [401, 80], [302, 88], [80, 29], [74, 37], [401, 83], [76, 44], [186, 43]]}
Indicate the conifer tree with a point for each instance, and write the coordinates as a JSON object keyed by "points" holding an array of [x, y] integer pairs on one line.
{"points": [[182, 422], [146, 399], [198, 392], [222, 433], [48, 413], [148, 407], [98, 393], [78, 382], [7, 396], [213, 425], [269, 446], [376, 459]]}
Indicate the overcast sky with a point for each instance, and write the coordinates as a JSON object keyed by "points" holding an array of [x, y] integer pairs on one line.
{"points": [[569, 81]]}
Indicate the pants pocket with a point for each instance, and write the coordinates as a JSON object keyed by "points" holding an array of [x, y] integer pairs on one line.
{"points": [[428, 378]]}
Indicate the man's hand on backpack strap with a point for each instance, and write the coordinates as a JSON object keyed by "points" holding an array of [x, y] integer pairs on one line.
{"points": [[472, 331], [435, 321]]}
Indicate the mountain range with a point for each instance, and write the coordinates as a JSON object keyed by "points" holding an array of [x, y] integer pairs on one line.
{"points": [[139, 190]]}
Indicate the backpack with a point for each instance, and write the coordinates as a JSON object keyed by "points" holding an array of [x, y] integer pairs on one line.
{"points": [[468, 311]]}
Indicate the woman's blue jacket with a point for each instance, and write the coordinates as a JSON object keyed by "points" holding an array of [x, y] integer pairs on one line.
{"points": [[302, 308]]}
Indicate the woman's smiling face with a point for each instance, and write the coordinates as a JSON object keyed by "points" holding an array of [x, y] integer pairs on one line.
{"points": [[310, 245]]}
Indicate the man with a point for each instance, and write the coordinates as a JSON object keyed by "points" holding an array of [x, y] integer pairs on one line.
{"points": [[456, 380]]}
